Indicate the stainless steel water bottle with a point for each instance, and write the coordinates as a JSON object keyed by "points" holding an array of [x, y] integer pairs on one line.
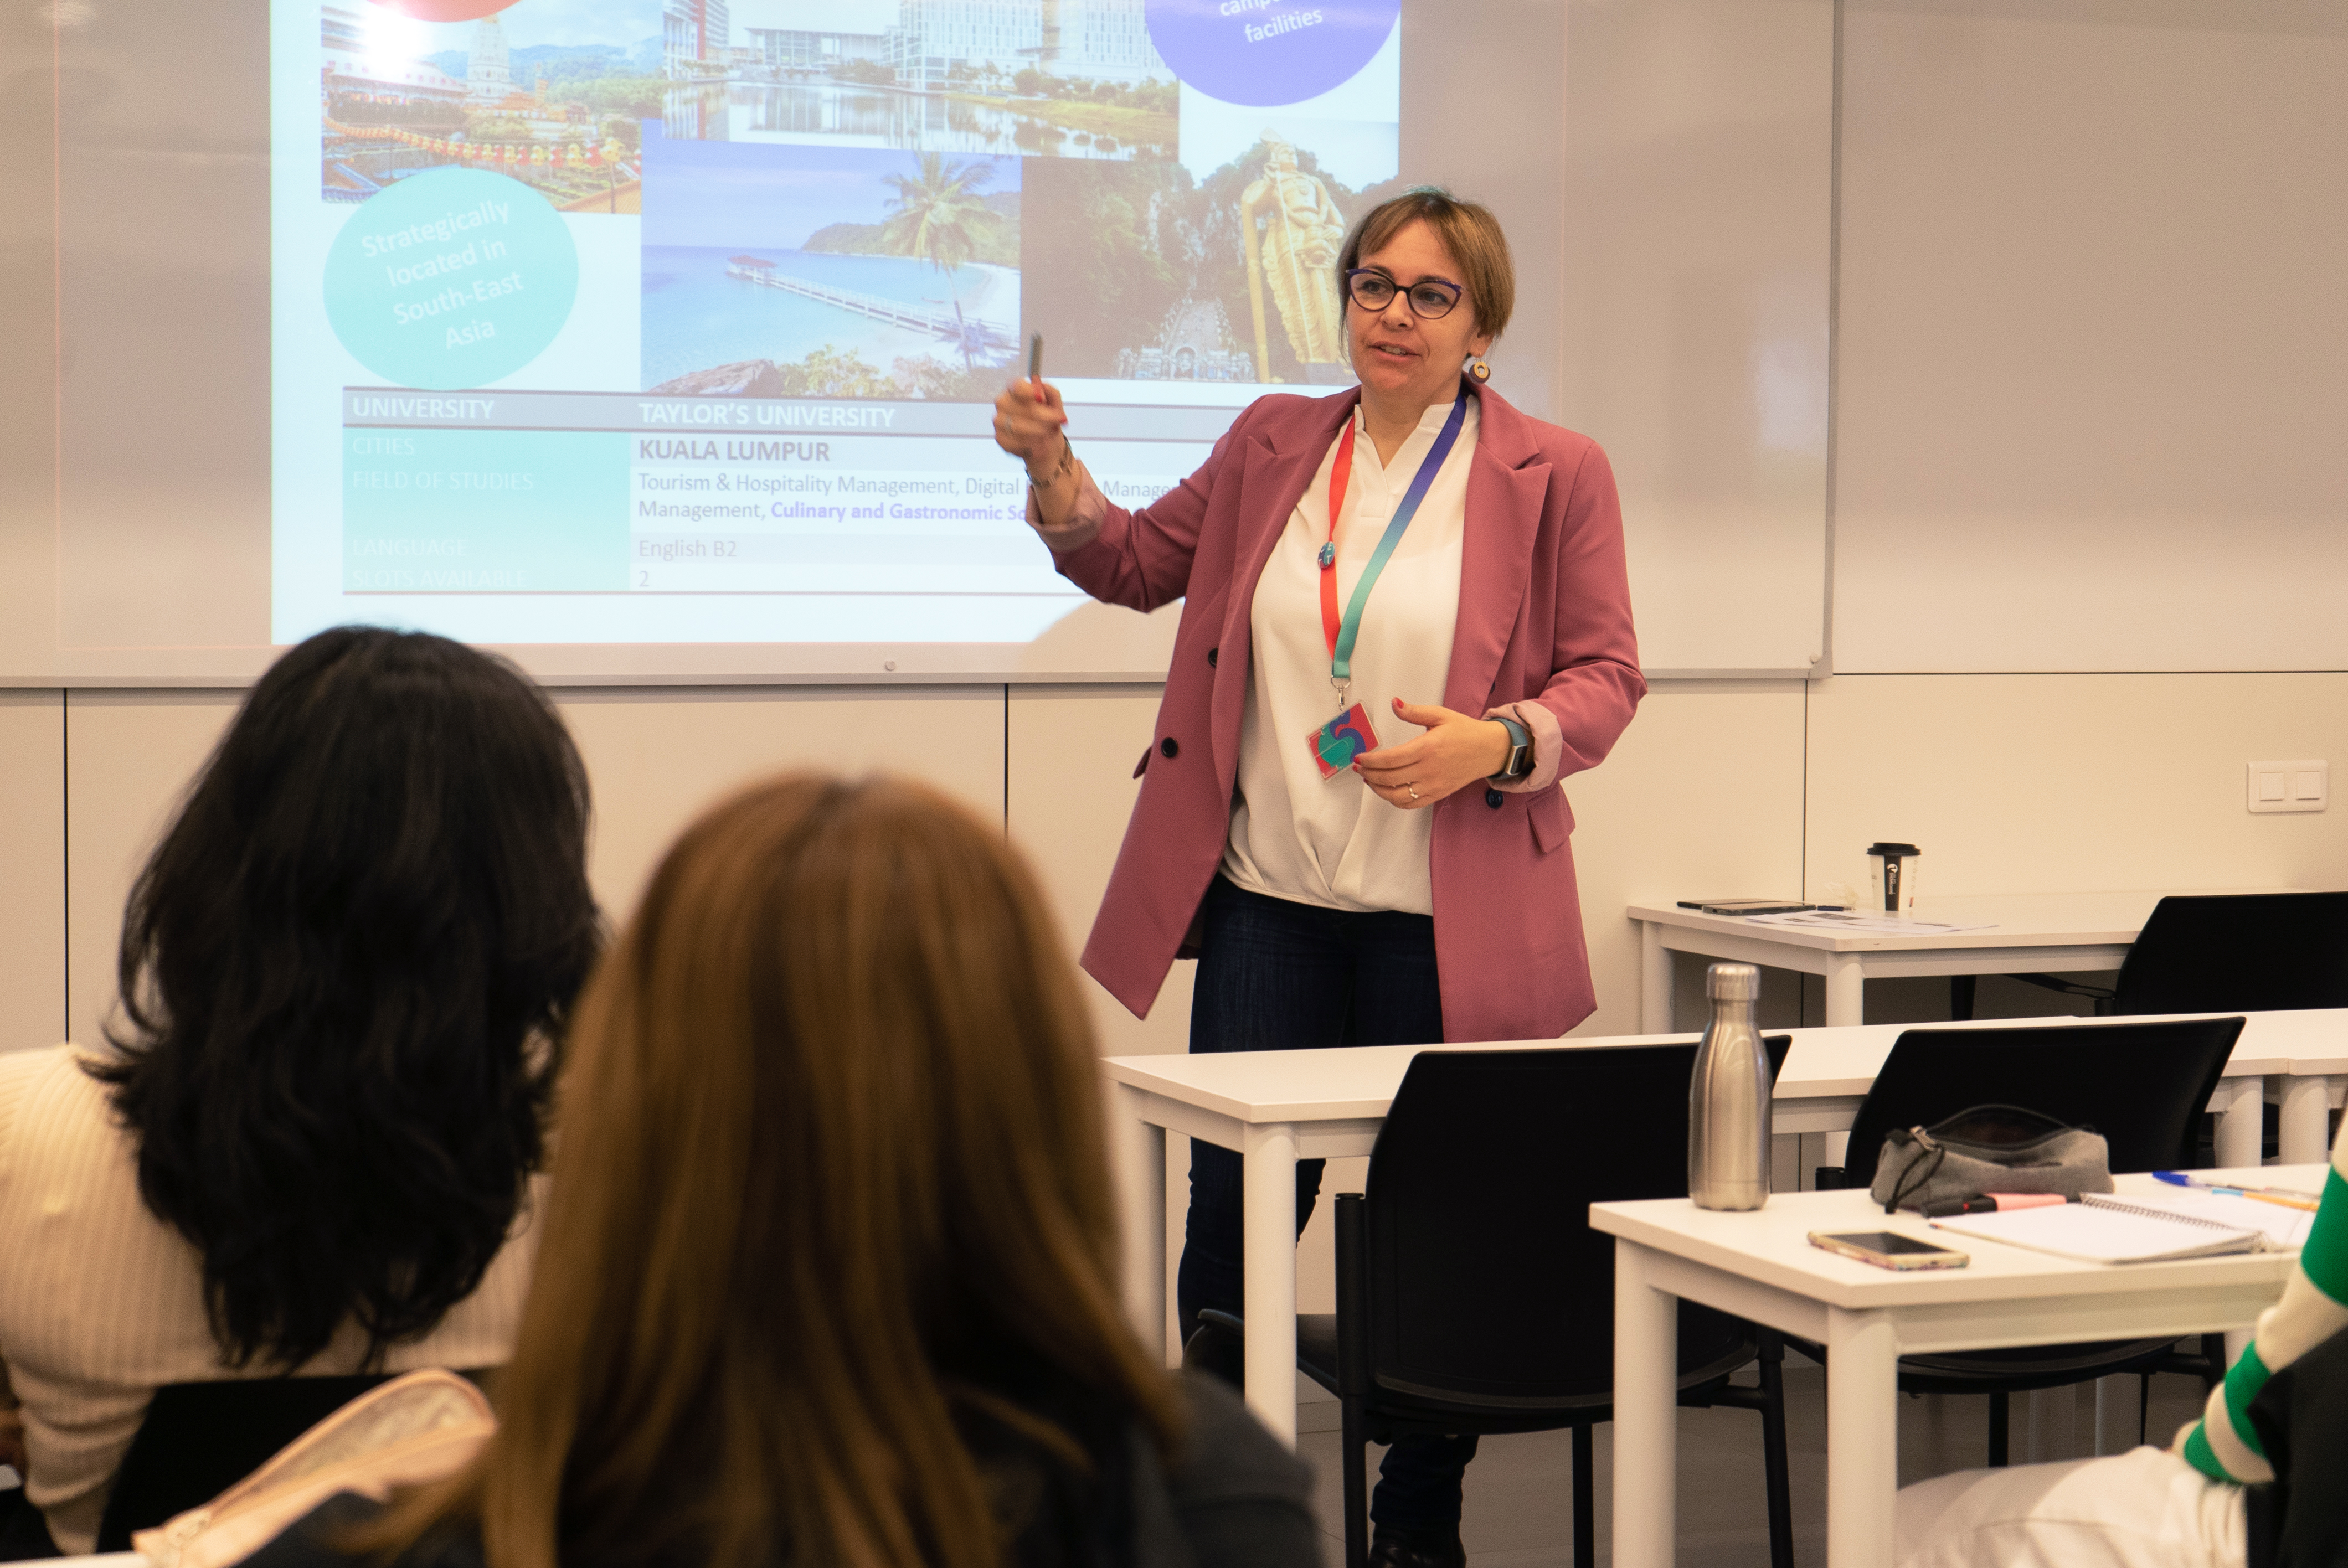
{"points": [[1728, 1097]]}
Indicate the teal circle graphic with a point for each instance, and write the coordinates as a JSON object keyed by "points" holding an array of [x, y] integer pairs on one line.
{"points": [[451, 278]]}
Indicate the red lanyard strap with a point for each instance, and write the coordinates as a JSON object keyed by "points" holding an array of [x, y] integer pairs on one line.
{"points": [[1329, 619], [1342, 631]]}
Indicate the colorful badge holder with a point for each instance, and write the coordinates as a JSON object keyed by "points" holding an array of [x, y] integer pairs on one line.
{"points": [[1336, 744]]}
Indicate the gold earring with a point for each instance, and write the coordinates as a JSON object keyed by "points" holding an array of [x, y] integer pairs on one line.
{"points": [[1481, 371]]}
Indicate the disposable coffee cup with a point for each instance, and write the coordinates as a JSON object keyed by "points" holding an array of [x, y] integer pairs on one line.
{"points": [[1891, 877]]}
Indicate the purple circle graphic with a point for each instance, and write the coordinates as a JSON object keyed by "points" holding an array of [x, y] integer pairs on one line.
{"points": [[1267, 52]]}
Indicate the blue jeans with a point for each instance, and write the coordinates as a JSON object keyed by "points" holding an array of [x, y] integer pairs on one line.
{"points": [[1281, 976]]}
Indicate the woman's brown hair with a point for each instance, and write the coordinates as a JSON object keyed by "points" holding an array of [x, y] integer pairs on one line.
{"points": [[830, 1161], [1467, 230]]}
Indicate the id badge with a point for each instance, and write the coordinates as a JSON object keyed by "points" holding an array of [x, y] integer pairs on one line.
{"points": [[1336, 744]]}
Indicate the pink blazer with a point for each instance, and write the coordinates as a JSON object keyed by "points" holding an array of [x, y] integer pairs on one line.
{"points": [[1544, 631]]}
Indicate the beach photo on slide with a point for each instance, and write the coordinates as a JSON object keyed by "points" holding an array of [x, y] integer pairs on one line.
{"points": [[811, 271]]}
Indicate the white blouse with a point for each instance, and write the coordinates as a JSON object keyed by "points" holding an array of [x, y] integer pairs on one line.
{"points": [[1332, 842]]}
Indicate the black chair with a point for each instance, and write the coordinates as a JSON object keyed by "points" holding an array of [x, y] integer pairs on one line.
{"points": [[1473, 1297], [23, 1534], [2301, 1419], [2229, 952], [2142, 1085], [200, 1439]]}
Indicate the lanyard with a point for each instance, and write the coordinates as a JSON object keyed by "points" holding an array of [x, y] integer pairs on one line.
{"points": [[1341, 634]]}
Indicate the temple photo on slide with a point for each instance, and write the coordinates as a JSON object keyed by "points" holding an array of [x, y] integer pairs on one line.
{"points": [[1154, 274], [549, 93], [811, 271]]}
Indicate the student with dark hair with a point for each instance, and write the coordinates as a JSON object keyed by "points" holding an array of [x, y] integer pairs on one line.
{"points": [[344, 976], [829, 1269]]}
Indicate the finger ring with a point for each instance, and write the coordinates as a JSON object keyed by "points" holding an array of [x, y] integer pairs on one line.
{"points": [[1412, 787]]}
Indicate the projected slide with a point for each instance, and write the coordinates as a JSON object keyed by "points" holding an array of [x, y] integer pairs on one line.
{"points": [[612, 321]]}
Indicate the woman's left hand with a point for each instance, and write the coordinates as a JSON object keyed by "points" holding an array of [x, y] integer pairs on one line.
{"points": [[1456, 752]]}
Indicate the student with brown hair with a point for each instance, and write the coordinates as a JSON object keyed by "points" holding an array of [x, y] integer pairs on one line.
{"points": [[827, 1272]]}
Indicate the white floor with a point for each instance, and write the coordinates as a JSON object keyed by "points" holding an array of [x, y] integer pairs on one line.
{"points": [[1520, 1508]]}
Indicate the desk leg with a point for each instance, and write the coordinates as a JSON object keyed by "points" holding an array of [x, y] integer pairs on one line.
{"points": [[2303, 1122], [2240, 1126], [1141, 1169], [1846, 990], [1863, 1438], [1646, 1413], [1268, 1216], [2115, 1419], [1655, 980]]}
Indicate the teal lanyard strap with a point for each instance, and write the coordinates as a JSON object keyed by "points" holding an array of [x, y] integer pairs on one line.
{"points": [[1341, 663]]}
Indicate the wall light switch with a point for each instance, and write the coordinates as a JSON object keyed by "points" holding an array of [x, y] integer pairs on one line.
{"points": [[2304, 785]]}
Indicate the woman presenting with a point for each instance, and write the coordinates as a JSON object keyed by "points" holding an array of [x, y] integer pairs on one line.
{"points": [[1406, 620]]}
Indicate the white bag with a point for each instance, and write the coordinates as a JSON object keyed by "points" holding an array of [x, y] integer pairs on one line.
{"points": [[420, 1428]]}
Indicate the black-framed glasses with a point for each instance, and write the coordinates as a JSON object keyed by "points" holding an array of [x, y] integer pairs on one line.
{"points": [[1431, 299]]}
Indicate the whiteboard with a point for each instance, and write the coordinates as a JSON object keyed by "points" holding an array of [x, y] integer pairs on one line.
{"points": [[2093, 345]]}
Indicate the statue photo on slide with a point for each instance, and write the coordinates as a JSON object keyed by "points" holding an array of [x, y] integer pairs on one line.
{"points": [[1296, 257]]}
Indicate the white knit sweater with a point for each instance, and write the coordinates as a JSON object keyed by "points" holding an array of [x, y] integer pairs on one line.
{"points": [[101, 1303]]}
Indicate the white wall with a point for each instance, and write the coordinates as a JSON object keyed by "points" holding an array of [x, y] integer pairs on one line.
{"points": [[32, 868], [2024, 782]]}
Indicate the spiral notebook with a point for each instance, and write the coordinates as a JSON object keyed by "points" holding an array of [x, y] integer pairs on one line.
{"points": [[2104, 1227]]}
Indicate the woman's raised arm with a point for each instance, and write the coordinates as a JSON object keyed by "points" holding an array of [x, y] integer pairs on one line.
{"points": [[1138, 559]]}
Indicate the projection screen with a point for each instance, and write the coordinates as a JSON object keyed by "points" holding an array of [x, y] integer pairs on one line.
{"points": [[653, 339]]}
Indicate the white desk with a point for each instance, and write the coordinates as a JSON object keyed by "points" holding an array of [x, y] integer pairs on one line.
{"points": [[1759, 1265], [2029, 934], [1276, 1107]]}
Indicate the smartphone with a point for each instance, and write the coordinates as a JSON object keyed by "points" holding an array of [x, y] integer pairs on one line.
{"points": [[1034, 357], [1744, 905], [1890, 1250]]}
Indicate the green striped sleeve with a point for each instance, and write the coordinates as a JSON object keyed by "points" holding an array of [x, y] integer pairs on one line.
{"points": [[2244, 1378], [2224, 1444], [2324, 1258], [2198, 1454]]}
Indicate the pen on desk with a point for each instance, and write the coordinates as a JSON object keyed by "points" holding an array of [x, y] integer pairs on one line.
{"points": [[1992, 1203], [2187, 1179], [2305, 1205]]}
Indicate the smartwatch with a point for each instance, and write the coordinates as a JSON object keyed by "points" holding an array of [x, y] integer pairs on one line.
{"points": [[1520, 751]]}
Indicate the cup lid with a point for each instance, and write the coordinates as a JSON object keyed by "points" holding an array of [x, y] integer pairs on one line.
{"points": [[1890, 849], [1733, 983]]}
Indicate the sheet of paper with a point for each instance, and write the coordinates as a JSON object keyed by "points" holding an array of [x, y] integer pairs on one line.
{"points": [[1866, 921], [2096, 1235], [2284, 1226]]}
